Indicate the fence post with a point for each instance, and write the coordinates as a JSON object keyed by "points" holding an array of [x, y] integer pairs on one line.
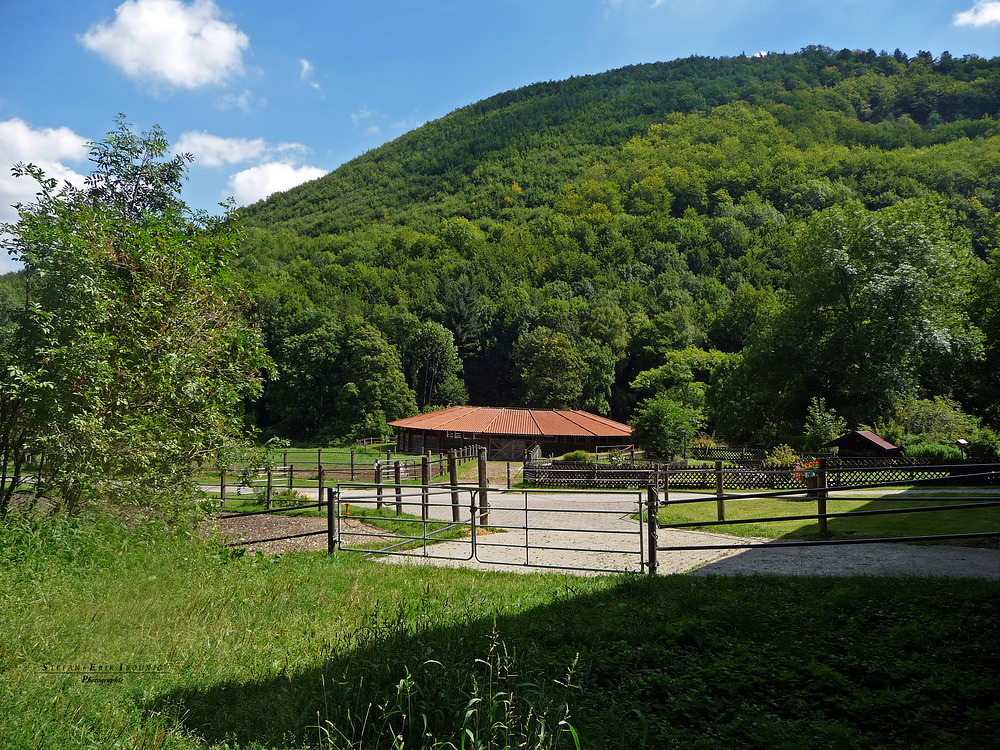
{"points": [[270, 489], [284, 458], [484, 502], [399, 489], [425, 473], [508, 475], [331, 536], [378, 485], [720, 497], [291, 475], [453, 477], [320, 473], [222, 485], [652, 526], [352, 464], [821, 496]]}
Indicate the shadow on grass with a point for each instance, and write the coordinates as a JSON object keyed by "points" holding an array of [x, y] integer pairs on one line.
{"points": [[647, 662], [968, 557]]}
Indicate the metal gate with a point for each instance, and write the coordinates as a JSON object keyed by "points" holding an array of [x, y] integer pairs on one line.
{"points": [[466, 524]]}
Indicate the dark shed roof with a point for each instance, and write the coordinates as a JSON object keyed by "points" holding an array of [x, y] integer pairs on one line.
{"points": [[864, 443]]}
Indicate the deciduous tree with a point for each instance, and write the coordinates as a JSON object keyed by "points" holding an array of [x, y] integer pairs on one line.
{"points": [[134, 354]]}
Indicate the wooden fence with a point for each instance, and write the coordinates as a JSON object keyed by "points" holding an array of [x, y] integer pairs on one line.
{"points": [[424, 468], [840, 472]]}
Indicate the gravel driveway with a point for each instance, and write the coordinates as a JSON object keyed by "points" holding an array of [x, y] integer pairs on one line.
{"points": [[590, 533]]}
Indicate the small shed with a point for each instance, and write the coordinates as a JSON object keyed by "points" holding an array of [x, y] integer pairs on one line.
{"points": [[863, 443], [509, 434]]}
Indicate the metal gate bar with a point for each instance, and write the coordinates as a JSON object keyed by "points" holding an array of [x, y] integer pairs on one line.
{"points": [[413, 497]]}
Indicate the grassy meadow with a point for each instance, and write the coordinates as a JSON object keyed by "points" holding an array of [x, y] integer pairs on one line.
{"points": [[746, 512], [116, 635]]}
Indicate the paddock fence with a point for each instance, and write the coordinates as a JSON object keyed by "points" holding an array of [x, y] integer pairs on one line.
{"points": [[568, 530], [306, 474], [819, 481], [631, 529]]}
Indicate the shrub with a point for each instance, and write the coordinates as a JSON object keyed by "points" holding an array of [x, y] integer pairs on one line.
{"points": [[579, 456], [936, 451], [783, 455], [702, 444], [984, 446]]}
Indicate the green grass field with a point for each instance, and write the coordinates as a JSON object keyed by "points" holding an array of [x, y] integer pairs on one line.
{"points": [[118, 636], [891, 525]]}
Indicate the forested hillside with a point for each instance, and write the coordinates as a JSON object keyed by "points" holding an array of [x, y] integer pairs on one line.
{"points": [[735, 246]]}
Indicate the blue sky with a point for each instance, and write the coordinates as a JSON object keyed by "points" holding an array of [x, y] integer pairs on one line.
{"points": [[268, 94]]}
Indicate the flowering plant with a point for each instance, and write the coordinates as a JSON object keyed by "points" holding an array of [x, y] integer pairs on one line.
{"points": [[805, 469]]}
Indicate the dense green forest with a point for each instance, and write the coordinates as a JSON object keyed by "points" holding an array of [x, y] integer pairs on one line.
{"points": [[739, 246]]}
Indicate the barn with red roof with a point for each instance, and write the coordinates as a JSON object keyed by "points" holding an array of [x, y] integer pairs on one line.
{"points": [[509, 434]]}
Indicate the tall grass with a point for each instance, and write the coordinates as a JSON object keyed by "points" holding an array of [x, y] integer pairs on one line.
{"points": [[307, 650]]}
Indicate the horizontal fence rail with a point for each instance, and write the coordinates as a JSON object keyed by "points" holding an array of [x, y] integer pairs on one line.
{"points": [[271, 511], [819, 493], [494, 526]]}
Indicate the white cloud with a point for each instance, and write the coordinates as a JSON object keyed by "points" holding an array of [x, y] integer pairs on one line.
{"points": [[246, 101], [306, 74], [258, 182], [983, 13], [367, 119], [214, 151], [49, 149], [167, 40]]}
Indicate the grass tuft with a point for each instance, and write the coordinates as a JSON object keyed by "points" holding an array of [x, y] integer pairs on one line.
{"points": [[200, 648]]}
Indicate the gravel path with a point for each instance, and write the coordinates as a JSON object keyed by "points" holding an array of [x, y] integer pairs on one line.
{"points": [[594, 533], [597, 531]]}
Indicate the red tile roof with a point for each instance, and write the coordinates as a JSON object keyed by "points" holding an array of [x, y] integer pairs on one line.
{"points": [[490, 420]]}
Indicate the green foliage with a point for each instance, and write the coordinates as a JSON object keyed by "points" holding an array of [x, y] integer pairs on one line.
{"points": [[879, 295], [937, 420], [133, 356], [685, 376], [338, 378], [661, 426], [936, 451], [822, 425], [432, 362], [552, 368], [823, 215], [579, 456], [927, 420], [702, 444], [781, 457], [984, 446], [877, 312]]}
